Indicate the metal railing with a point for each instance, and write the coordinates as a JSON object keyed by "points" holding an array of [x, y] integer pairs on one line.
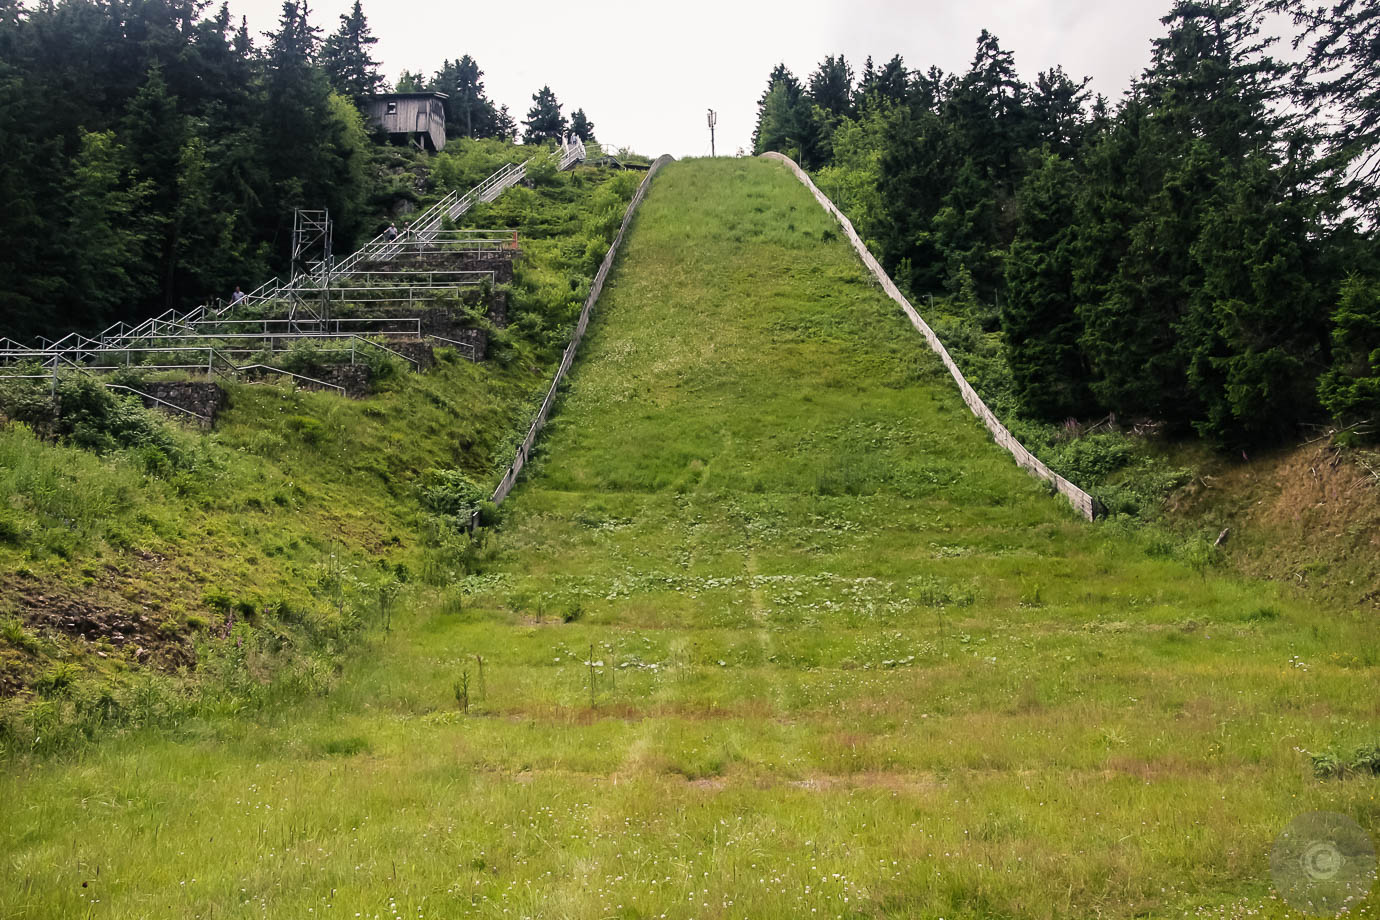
{"points": [[428, 225], [213, 346], [57, 362], [428, 229], [457, 241], [572, 153], [407, 325], [524, 449], [365, 280]]}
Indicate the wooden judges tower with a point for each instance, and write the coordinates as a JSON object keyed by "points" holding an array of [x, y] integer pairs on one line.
{"points": [[419, 118]]}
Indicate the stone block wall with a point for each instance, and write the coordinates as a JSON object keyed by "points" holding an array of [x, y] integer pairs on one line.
{"points": [[205, 399], [353, 378], [421, 352], [498, 309], [456, 326]]}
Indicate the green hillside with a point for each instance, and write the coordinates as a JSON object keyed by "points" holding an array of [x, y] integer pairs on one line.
{"points": [[769, 629], [134, 549]]}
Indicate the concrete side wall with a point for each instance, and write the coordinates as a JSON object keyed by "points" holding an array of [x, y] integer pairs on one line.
{"points": [[1082, 502]]}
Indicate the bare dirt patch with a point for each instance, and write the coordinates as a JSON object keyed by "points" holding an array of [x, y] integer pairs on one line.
{"points": [[1309, 515], [93, 625]]}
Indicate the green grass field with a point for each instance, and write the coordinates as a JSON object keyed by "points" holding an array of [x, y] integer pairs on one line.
{"points": [[770, 629]]}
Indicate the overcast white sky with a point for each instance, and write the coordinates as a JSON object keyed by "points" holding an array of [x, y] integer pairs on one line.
{"points": [[646, 73]]}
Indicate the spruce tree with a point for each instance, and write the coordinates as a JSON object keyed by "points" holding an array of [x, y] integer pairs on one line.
{"points": [[105, 233], [544, 120], [920, 161], [784, 123], [28, 289], [350, 68], [986, 108], [469, 113], [831, 98], [505, 125], [781, 126], [153, 132], [410, 82], [831, 86], [581, 126], [1119, 174], [1039, 316], [867, 84], [1340, 82], [1254, 334], [1350, 389], [316, 152], [1058, 112], [893, 81]]}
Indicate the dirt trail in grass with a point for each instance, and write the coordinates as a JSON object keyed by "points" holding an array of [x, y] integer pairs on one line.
{"points": [[847, 661]]}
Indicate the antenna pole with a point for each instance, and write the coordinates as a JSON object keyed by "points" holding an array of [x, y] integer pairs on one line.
{"points": [[713, 120]]}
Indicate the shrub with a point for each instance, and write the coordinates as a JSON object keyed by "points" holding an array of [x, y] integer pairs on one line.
{"points": [[11, 534], [543, 172], [1090, 458], [87, 415], [451, 553], [30, 405], [1350, 389], [13, 632], [343, 747], [488, 514], [449, 492], [57, 681], [216, 600], [92, 417], [1361, 761], [310, 430]]}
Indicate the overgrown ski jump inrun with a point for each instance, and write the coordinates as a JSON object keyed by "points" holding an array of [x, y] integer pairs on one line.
{"points": [[769, 628]]}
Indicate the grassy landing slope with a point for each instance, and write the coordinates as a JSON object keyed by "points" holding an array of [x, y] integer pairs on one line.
{"points": [[772, 631]]}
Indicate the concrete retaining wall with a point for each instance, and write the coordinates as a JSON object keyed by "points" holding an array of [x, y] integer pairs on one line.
{"points": [[1081, 501]]}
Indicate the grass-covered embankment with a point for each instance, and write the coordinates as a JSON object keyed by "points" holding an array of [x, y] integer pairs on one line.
{"points": [[772, 630], [150, 573]]}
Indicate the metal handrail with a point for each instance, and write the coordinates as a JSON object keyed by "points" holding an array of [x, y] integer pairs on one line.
{"points": [[468, 346], [572, 153], [428, 224], [462, 278], [425, 228], [150, 396], [279, 370], [414, 321]]}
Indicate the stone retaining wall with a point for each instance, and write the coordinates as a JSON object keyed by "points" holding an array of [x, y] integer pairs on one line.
{"points": [[203, 399], [420, 352], [354, 379]]}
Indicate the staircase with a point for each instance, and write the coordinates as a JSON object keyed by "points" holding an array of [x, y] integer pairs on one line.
{"points": [[174, 322]]}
